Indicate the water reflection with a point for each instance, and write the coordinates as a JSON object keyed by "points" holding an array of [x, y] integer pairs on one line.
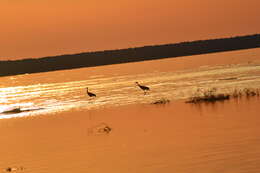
{"points": [[120, 90]]}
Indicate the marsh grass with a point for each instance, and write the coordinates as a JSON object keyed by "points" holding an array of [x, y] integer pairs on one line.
{"points": [[209, 95], [249, 92], [212, 96], [161, 101]]}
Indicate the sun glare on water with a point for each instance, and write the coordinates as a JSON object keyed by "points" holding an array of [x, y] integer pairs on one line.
{"points": [[37, 98]]}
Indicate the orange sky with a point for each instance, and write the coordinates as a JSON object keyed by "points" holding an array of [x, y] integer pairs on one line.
{"points": [[36, 28]]}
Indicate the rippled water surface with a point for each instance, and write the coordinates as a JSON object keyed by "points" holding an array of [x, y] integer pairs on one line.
{"points": [[60, 91], [173, 138]]}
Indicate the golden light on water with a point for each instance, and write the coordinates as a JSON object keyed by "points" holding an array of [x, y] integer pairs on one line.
{"points": [[50, 98], [49, 124]]}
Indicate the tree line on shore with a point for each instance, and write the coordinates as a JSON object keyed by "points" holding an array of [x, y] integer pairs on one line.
{"points": [[106, 57]]}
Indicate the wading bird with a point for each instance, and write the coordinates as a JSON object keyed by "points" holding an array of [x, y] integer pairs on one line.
{"points": [[90, 94], [144, 88]]}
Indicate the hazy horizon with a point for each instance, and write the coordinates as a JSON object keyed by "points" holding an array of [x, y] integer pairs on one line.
{"points": [[41, 28]]}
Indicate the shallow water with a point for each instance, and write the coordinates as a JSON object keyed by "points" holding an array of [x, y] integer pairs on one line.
{"points": [[44, 93], [177, 137], [58, 128]]}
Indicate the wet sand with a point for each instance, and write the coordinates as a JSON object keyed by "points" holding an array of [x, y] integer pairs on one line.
{"points": [[176, 137]]}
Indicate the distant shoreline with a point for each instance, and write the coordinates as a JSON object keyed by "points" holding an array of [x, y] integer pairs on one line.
{"points": [[108, 57]]}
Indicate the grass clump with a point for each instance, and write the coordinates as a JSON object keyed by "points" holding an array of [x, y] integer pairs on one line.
{"points": [[161, 101], [209, 95], [249, 92], [246, 92], [237, 93]]}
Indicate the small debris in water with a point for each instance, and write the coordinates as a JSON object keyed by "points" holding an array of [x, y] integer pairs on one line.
{"points": [[15, 110], [101, 128], [106, 129], [11, 169], [230, 78]]}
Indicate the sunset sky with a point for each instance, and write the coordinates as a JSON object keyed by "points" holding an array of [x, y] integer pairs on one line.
{"points": [[37, 28]]}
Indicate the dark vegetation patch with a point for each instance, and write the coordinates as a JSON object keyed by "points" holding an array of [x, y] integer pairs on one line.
{"points": [[209, 95], [161, 101], [246, 92], [212, 96]]}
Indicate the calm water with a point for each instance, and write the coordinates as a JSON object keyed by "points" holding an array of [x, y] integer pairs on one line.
{"points": [[58, 91]]}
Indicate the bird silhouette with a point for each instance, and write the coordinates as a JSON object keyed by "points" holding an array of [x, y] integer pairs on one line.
{"points": [[144, 88], [90, 94]]}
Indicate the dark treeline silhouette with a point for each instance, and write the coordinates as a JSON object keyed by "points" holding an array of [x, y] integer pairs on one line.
{"points": [[127, 55]]}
